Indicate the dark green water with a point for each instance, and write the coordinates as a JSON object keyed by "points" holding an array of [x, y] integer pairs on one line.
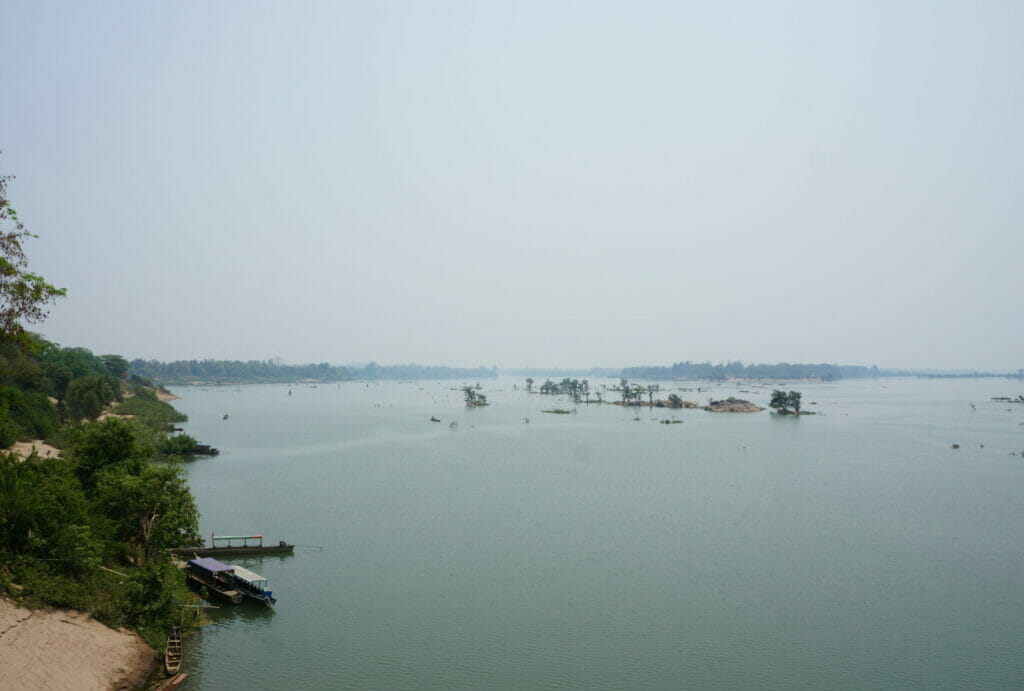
{"points": [[852, 549]]}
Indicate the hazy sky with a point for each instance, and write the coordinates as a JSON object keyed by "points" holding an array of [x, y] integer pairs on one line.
{"points": [[524, 183]]}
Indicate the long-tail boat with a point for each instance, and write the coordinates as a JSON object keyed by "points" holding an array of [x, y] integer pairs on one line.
{"points": [[227, 545]]}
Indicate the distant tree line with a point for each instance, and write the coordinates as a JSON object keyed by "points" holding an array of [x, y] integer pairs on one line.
{"points": [[737, 370], [235, 371], [373, 372], [272, 371], [595, 372], [785, 370]]}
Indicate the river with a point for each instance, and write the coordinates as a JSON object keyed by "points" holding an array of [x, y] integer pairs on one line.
{"points": [[509, 548]]}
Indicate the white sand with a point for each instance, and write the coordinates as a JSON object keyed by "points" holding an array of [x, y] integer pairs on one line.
{"points": [[65, 649], [24, 448]]}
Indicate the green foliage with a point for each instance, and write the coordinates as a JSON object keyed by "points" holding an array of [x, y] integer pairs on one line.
{"points": [[144, 404], [178, 445], [29, 414], [39, 499], [152, 510], [87, 396], [103, 444], [782, 402], [474, 399], [116, 365], [103, 506]]}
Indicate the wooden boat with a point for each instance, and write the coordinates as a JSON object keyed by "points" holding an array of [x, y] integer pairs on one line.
{"points": [[172, 655], [229, 582], [228, 547], [252, 585], [215, 577]]}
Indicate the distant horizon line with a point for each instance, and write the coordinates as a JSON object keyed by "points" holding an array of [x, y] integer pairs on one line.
{"points": [[530, 369]]}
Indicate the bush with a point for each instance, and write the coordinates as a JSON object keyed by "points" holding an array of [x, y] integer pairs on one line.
{"points": [[25, 415], [87, 396]]}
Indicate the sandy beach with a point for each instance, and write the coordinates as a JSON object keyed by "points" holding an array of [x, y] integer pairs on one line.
{"points": [[66, 649], [163, 395], [24, 448]]}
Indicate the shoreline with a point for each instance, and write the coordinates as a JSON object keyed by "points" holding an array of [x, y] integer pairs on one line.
{"points": [[67, 649]]}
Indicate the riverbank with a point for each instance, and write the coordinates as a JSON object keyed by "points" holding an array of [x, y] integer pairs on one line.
{"points": [[66, 649]]}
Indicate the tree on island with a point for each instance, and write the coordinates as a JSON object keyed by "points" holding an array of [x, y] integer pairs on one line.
{"points": [[529, 383], [474, 399], [782, 402]]}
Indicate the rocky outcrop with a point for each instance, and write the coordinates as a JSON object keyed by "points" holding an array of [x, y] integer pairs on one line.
{"points": [[732, 405], [671, 403]]}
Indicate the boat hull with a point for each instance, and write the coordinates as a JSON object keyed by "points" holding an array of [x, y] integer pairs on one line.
{"points": [[172, 655], [232, 551]]}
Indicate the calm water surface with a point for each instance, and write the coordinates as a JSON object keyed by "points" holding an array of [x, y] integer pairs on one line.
{"points": [[852, 549]]}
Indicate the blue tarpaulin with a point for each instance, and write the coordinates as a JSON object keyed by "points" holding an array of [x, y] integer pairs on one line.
{"points": [[210, 565]]}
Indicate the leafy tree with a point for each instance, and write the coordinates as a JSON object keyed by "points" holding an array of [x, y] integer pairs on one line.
{"points": [[529, 383], [151, 510], [87, 396], [39, 498], [102, 444], [29, 414], [23, 295], [116, 365], [178, 445], [794, 401], [474, 398], [782, 402]]}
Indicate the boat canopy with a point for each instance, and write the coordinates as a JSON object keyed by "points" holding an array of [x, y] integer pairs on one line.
{"points": [[244, 538], [211, 565], [250, 577]]}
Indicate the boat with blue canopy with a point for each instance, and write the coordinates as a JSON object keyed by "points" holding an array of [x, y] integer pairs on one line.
{"points": [[229, 582], [216, 577]]}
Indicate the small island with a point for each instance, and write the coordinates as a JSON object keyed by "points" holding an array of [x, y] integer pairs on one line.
{"points": [[732, 405]]}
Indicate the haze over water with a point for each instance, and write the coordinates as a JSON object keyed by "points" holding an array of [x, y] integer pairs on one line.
{"points": [[851, 549]]}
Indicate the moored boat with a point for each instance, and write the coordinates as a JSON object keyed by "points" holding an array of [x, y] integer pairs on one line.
{"points": [[252, 585], [215, 576], [229, 547], [229, 582], [172, 654]]}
